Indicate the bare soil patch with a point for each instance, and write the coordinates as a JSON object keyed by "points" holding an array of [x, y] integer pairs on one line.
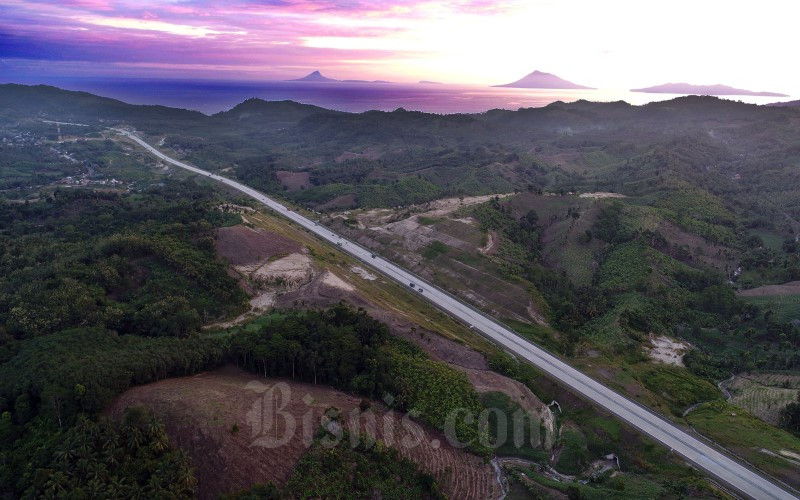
{"points": [[790, 288], [241, 245], [600, 195], [334, 281], [294, 181], [288, 272], [200, 413], [492, 243], [666, 350], [363, 273]]}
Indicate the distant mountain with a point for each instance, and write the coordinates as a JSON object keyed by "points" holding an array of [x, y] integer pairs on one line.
{"points": [[689, 89], [788, 104], [314, 76], [541, 80], [428, 82]]}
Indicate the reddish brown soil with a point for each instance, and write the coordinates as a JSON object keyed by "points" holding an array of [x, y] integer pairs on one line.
{"points": [[199, 413], [790, 288], [242, 245], [294, 181]]}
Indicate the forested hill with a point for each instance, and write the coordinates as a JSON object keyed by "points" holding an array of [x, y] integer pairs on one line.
{"points": [[744, 153], [29, 102]]}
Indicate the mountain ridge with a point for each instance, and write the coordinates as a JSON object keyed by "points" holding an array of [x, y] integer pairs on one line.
{"points": [[714, 90], [541, 80], [317, 76]]}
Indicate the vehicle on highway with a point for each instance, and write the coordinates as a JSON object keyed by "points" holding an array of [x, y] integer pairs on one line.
{"points": [[728, 471], [420, 290]]}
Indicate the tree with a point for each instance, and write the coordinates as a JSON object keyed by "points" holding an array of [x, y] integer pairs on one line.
{"points": [[790, 416]]}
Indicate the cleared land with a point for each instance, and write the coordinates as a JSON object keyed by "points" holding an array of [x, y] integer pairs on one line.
{"points": [[790, 288], [242, 245]]}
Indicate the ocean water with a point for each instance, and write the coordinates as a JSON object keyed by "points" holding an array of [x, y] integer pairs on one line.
{"points": [[210, 96]]}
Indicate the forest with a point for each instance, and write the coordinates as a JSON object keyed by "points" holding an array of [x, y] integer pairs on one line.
{"points": [[100, 291], [107, 285], [350, 350]]}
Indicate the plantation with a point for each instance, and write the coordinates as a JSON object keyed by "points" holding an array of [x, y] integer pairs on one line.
{"points": [[350, 350], [342, 471], [765, 395]]}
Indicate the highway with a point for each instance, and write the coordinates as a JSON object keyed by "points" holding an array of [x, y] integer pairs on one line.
{"points": [[729, 472]]}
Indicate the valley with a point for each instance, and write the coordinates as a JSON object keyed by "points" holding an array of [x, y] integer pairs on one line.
{"points": [[596, 251]]}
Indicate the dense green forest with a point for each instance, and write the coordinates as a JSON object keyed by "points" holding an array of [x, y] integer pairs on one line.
{"points": [[101, 290], [352, 351], [142, 263], [100, 459]]}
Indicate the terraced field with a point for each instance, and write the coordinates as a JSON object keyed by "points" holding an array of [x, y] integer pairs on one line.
{"points": [[764, 394]]}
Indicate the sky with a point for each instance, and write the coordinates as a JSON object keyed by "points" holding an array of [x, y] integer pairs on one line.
{"points": [[600, 43]]}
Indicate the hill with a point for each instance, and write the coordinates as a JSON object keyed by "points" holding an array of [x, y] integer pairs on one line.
{"points": [[261, 113], [314, 76], [715, 90], [786, 104], [541, 80]]}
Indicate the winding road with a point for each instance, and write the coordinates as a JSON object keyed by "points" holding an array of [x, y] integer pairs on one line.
{"points": [[729, 472]]}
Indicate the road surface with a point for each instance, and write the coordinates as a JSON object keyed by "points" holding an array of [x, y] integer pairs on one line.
{"points": [[729, 472]]}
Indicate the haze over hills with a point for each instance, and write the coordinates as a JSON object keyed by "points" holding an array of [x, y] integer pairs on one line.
{"points": [[717, 90], [541, 80]]}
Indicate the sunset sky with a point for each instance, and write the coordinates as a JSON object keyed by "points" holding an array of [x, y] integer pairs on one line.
{"points": [[612, 44]]}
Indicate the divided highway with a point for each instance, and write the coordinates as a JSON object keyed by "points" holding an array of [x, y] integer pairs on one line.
{"points": [[727, 471]]}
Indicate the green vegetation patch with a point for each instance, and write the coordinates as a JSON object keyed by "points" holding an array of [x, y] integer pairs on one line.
{"points": [[625, 268], [434, 249], [331, 469], [129, 458], [677, 386], [520, 433], [747, 435], [350, 350]]}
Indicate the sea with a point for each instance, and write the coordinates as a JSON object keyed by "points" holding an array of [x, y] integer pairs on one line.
{"points": [[213, 96]]}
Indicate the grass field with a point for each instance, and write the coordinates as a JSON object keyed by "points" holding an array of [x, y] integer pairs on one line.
{"points": [[771, 240], [748, 436], [786, 307]]}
